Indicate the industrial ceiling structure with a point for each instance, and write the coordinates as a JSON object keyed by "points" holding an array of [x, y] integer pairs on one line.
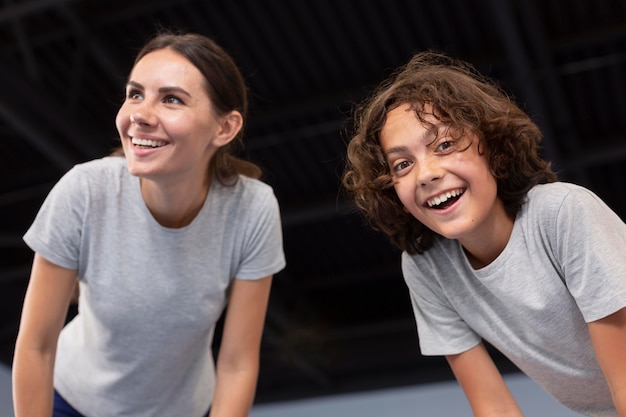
{"points": [[339, 318]]}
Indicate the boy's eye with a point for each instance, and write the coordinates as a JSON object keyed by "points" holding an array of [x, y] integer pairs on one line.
{"points": [[445, 146], [401, 165]]}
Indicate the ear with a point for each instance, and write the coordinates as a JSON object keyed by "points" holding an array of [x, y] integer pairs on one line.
{"points": [[230, 125]]}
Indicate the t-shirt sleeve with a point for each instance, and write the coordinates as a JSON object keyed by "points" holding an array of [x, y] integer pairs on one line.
{"points": [[56, 231], [263, 247], [441, 330], [591, 247]]}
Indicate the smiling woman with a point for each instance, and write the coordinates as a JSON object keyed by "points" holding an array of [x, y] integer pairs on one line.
{"points": [[168, 128], [161, 237]]}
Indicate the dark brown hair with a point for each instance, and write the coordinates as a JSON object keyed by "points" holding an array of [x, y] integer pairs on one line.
{"points": [[461, 99], [226, 89]]}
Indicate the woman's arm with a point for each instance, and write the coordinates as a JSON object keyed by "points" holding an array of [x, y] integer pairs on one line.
{"points": [[45, 308], [238, 358], [482, 383], [608, 336]]}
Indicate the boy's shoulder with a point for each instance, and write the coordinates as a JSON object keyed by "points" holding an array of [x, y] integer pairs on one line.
{"points": [[557, 189], [554, 194], [547, 203]]}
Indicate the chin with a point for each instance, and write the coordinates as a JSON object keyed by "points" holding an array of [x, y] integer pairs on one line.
{"points": [[452, 233], [134, 169]]}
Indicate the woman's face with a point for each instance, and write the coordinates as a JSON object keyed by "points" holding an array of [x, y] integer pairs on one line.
{"points": [[167, 125]]}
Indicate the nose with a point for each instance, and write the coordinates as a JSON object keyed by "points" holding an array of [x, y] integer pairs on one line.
{"points": [[139, 118], [428, 170], [143, 115]]}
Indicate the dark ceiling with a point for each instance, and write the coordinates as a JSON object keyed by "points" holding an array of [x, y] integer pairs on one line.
{"points": [[339, 317]]}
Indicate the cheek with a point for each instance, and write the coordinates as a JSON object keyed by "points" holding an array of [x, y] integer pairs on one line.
{"points": [[486, 189], [122, 121], [489, 181], [405, 195]]}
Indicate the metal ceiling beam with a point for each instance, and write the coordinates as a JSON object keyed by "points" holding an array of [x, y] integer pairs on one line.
{"points": [[96, 49], [591, 38], [563, 120], [24, 8], [309, 131], [25, 194], [604, 156], [8, 275], [42, 109], [521, 67], [314, 213], [25, 126], [25, 48]]}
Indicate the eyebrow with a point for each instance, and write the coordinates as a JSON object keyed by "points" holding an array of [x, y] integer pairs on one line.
{"points": [[162, 90], [427, 136], [395, 149]]}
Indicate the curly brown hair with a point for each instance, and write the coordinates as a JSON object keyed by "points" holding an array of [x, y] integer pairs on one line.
{"points": [[461, 98]]}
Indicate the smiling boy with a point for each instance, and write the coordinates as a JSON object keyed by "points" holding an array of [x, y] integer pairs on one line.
{"points": [[494, 248]]}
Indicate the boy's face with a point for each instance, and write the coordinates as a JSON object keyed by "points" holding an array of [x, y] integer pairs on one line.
{"points": [[442, 182]]}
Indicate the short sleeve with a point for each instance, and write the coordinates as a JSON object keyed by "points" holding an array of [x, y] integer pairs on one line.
{"points": [[263, 246], [56, 231], [441, 330], [591, 247]]}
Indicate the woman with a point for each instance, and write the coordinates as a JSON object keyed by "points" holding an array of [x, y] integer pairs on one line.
{"points": [[160, 240]]}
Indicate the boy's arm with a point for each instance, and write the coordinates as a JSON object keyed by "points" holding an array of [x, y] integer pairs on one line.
{"points": [[483, 384], [45, 308], [609, 341]]}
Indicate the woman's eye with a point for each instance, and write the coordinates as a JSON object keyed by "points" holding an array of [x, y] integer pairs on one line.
{"points": [[173, 100], [134, 95]]}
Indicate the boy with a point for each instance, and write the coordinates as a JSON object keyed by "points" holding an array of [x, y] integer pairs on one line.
{"points": [[494, 247]]}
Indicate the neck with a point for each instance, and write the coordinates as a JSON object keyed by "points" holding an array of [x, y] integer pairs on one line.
{"points": [[484, 249], [176, 205]]}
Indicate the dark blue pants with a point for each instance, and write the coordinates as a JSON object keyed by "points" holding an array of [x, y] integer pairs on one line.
{"points": [[62, 408]]}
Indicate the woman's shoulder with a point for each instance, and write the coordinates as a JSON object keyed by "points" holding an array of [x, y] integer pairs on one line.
{"points": [[108, 165], [104, 174], [254, 184], [247, 188]]}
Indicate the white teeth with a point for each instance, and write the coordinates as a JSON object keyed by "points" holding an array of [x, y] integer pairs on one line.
{"points": [[435, 201], [148, 142]]}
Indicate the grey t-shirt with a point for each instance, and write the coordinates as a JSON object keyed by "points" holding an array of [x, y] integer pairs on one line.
{"points": [[564, 266], [149, 295]]}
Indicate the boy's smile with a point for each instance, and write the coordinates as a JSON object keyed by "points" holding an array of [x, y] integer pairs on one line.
{"points": [[445, 182]]}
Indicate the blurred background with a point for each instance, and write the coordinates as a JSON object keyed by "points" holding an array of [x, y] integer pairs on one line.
{"points": [[339, 318]]}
